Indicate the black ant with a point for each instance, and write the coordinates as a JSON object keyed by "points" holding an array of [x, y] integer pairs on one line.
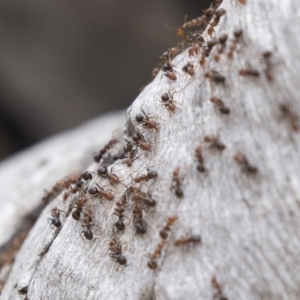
{"points": [[249, 71], [140, 141], [116, 252], [94, 191], [215, 76], [292, 118], [237, 34], [141, 197], [214, 142], [164, 232], [220, 104], [168, 102], [79, 208], [222, 41], [150, 175], [189, 69], [169, 71], [242, 160], [218, 14], [145, 120], [152, 264], [55, 221], [131, 152], [119, 210], [103, 172], [199, 156], [87, 225], [177, 183], [139, 224], [194, 239], [98, 155]]}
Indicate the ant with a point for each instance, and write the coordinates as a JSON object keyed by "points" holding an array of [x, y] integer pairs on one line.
{"points": [[55, 221], [98, 155], [222, 41], [198, 154], [119, 210], [146, 199], [169, 71], [218, 287], [116, 252], [94, 191], [145, 121], [292, 118], [152, 264], [103, 172], [170, 54], [164, 232], [176, 183], [139, 224], [130, 154], [214, 142], [249, 71], [268, 65], [139, 139], [168, 102], [79, 207], [55, 191], [194, 239], [242, 160], [87, 225], [194, 49], [218, 14], [220, 104], [150, 175], [215, 76], [189, 69], [237, 34]]}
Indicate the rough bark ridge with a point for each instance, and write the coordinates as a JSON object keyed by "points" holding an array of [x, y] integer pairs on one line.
{"points": [[245, 205]]}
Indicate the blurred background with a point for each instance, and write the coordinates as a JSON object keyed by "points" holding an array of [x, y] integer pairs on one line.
{"points": [[63, 62]]}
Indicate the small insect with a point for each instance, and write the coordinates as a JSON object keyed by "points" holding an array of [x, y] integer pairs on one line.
{"points": [[237, 34], [242, 160], [55, 221], [267, 55], [87, 226], [220, 105], [193, 239], [116, 252], [139, 224], [214, 142], [168, 102], [152, 264], [143, 198], [98, 155], [189, 69], [216, 285], [215, 76], [222, 41], [164, 233], [146, 121], [54, 192], [249, 71], [194, 49], [103, 172], [170, 54], [176, 183], [199, 157], [218, 14], [105, 193], [119, 210], [291, 117], [130, 154], [79, 208], [150, 175], [140, 141]]}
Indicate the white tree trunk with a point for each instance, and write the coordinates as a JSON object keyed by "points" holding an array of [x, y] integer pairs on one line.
{"points": [[248, 220]]}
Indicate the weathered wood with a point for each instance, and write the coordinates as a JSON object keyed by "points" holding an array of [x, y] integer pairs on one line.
{"points": [[248, 220]]}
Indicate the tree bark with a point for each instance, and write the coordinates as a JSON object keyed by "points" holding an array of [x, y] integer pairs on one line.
{"points": [[244, 205]]}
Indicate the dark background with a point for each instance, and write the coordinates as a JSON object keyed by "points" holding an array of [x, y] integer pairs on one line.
{"points": [[65, 61]]}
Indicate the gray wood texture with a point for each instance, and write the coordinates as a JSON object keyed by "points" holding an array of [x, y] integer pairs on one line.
{"points": [[248, 221]]}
